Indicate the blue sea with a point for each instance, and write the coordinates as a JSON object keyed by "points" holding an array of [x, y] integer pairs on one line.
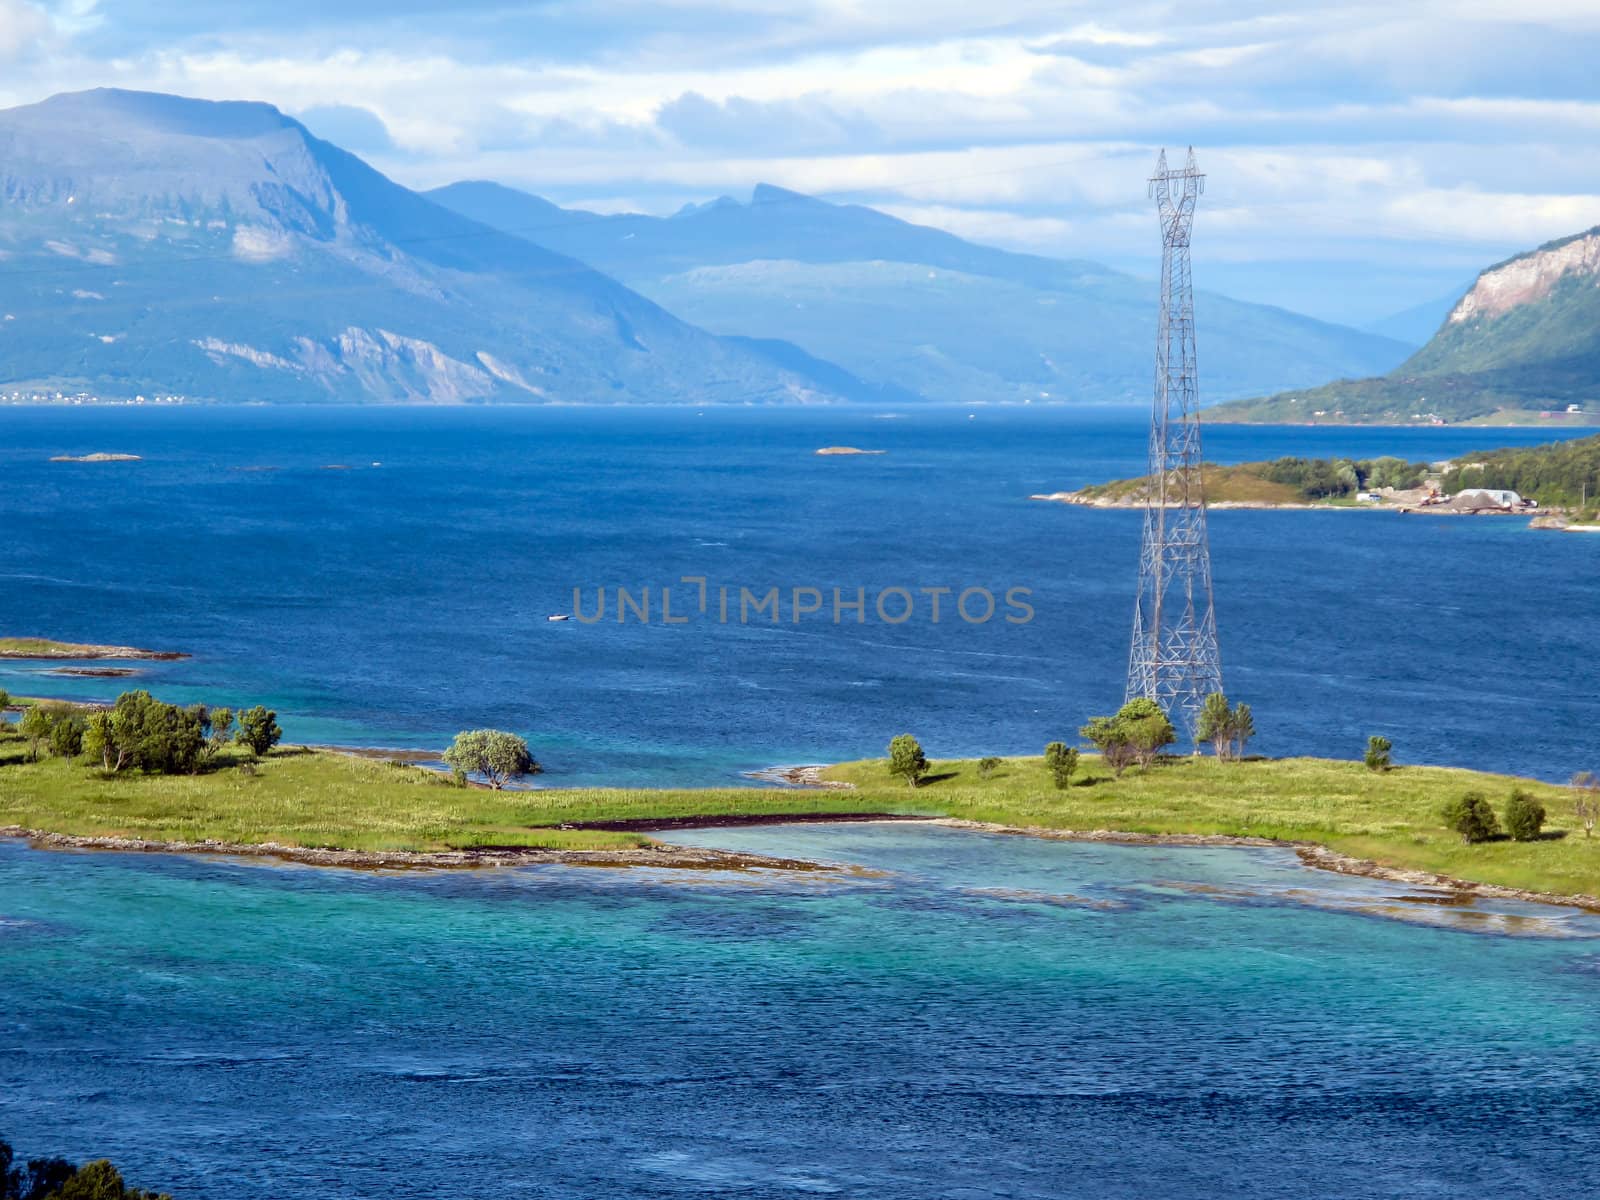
{"points": [[980, 1016], [966, 1016], [406, 596]]}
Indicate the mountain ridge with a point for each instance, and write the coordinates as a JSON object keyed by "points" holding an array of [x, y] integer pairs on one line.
{"points": [[1521, 342], [977, 324], [238, 256]]}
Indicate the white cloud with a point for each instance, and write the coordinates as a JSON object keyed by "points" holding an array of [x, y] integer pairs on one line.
{"points": [[23, 26], [1356, 129]]}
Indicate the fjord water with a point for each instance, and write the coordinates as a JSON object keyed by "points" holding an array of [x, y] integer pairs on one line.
{"points": [[983, 1016], [395, 604]]}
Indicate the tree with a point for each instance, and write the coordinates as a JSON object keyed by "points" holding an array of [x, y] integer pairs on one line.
{"points": [[1149, 730], [5, 699], [100, 741], [1216, 725], [988, 766], [1471, 817], [66, 732], [57, 1179], [258, 730], [1587, 802], [35, 726], [1524, 816], [220, 728], [40, 1179], [1244, 728], [907, 760], [496, 755], [1112, 738], [141, 731], [1062, 760], [1377, 756]]}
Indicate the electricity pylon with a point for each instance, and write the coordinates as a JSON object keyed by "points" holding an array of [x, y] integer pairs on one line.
{"points": [[1174, 659]]}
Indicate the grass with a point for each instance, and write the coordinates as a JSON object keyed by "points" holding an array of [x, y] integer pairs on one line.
{"points": [[1390, 817], [34, 647], [320, 799]]}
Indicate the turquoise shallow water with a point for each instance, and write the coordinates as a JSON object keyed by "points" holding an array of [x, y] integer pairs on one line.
{"points": [[981, 1016]]}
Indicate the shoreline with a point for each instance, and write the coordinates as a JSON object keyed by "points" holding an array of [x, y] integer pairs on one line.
{"points": [[1312, 855], [691, 858]]}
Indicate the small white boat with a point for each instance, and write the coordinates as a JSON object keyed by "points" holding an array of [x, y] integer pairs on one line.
{"points": [[558, 617]]}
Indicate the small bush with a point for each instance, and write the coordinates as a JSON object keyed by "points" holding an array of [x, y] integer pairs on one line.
{"points": [[1471, 817], [1524, 816], [987, 767], [1377, 756], [1062, 761]]}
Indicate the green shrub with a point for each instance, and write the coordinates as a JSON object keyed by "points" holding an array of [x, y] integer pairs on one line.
{"points": [[1062, 760], [1472, 818], [1377, 756], [66, 732], [987, 767], [1524, 816]]}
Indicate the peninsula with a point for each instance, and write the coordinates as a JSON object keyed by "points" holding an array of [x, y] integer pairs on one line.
{"points": [[1560, 481]]}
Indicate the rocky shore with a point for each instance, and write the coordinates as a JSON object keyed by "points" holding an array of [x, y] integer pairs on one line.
{"points": [[1312, 854], [799, 777], [695, 858], [662, 855]]}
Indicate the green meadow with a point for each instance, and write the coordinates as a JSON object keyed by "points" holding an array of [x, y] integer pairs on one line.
{"points": [[312, 798]]}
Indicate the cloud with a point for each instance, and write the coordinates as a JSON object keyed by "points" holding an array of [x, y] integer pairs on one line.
{"points": [[23, 26], [357, 129], [801, 123], [1427, 133]]}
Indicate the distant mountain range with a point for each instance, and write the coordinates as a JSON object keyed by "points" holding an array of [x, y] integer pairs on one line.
{"points": [[1416, 325], [908, 306], [1523, 340], [154, 244], [158, 245]]}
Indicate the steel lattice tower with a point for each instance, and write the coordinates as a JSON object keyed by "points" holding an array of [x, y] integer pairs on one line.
{"points": [[1174, 659]]}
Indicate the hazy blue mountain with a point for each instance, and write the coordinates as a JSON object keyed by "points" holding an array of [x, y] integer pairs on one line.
{"points": [[155, 244], [1416, 325], [1524, 340], [920, 308]]}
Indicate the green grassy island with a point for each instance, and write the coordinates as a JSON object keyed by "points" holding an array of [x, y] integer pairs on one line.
{"points": [[48, 648], [317, 799]]}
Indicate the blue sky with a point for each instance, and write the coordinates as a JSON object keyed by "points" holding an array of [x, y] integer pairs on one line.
{"points": [[1362, 157]]}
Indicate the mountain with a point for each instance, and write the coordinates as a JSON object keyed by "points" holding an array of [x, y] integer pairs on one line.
{"points": [[155, 244], [1415, 325], [1524, 339], [900, 303]]}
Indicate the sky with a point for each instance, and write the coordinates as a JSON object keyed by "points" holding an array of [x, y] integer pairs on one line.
{"points": [[1360, 157]]}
